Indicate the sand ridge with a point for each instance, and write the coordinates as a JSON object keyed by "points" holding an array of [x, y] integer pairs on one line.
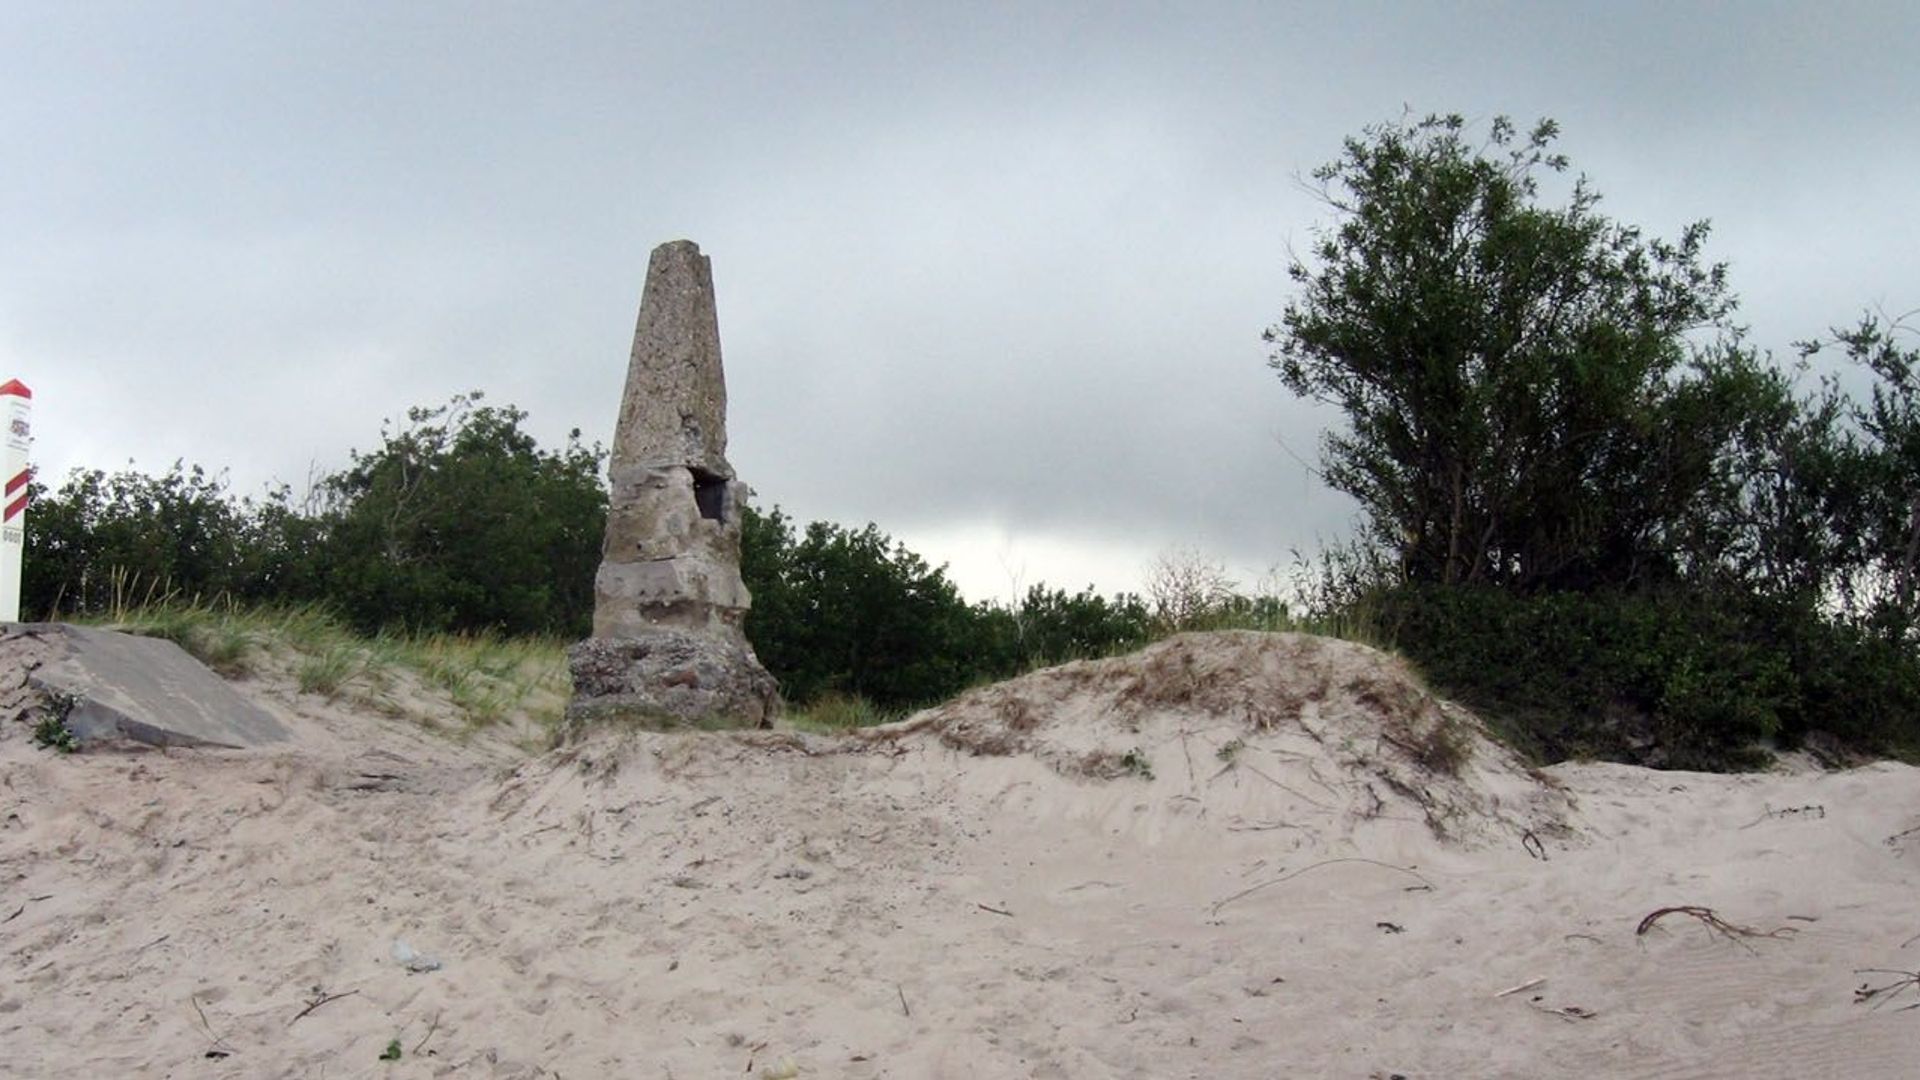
{"points": [[991, 889]]}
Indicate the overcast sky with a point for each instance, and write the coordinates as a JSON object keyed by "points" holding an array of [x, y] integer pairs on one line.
{"points": [[991, 276]]}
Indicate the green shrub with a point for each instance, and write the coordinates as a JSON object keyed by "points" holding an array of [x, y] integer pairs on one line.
{"points": [[1682, 679], [847, 611]]}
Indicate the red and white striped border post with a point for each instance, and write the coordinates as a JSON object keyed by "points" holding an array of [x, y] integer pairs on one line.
{"points": [[16, 409], [17, 506]]}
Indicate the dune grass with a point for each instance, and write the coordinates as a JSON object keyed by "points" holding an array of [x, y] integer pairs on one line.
{"points": [[835, 713]]}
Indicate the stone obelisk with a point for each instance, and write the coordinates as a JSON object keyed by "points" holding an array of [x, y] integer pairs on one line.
{"points": [[667, 644]]}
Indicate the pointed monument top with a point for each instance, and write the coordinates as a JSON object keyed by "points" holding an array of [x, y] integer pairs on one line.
{"points": [[674, 411]]}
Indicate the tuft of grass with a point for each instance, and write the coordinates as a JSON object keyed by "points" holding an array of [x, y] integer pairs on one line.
{"points": [[217, 634], [1137, 763], [226, 646], [305, 628], [835, 712], [490, 678], [327, 672], [1443, 748], [129, 598]]}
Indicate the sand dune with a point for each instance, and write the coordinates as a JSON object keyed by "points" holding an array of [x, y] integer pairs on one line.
{"points": [[1227, 856]]}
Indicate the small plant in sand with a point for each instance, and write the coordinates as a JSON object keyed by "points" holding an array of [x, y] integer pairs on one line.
{"points": [[1137, 763], [52, 731], [392, 1052], [1903, 981], [1443, 748], [1229, 752]]}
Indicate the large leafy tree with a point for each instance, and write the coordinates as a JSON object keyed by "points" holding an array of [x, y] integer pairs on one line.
{"points": [[1536, 397], [460, 521], [1875, 495]]}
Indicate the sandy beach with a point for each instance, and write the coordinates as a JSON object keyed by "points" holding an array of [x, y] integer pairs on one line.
{"points": [[1231, 855]]}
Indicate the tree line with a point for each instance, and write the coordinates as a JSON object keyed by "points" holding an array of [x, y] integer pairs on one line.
{"points": [[459, 521]]}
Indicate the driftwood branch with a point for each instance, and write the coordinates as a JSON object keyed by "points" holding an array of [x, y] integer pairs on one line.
{"points": [[1712, 921]]}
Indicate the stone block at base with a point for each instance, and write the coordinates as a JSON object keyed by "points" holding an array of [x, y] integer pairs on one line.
{"points": [[668, 678]]}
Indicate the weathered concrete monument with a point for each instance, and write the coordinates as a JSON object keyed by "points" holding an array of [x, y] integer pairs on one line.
{"points": [[667, 642]]}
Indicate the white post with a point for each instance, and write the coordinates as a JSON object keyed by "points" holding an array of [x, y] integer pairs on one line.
{"points": [[16, 409]]}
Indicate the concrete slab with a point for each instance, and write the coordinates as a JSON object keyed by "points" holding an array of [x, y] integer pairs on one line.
{"points": [[144, 689]]}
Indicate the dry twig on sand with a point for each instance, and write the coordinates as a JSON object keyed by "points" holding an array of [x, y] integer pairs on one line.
{"points": [[218, 1047], [1291, 791], [320, 997], [1880, 995], [1809, 811], [1528, 985], [1712, 921], [1243, 893], [1264, 826], [431, 1028], [1565, 1012]]}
